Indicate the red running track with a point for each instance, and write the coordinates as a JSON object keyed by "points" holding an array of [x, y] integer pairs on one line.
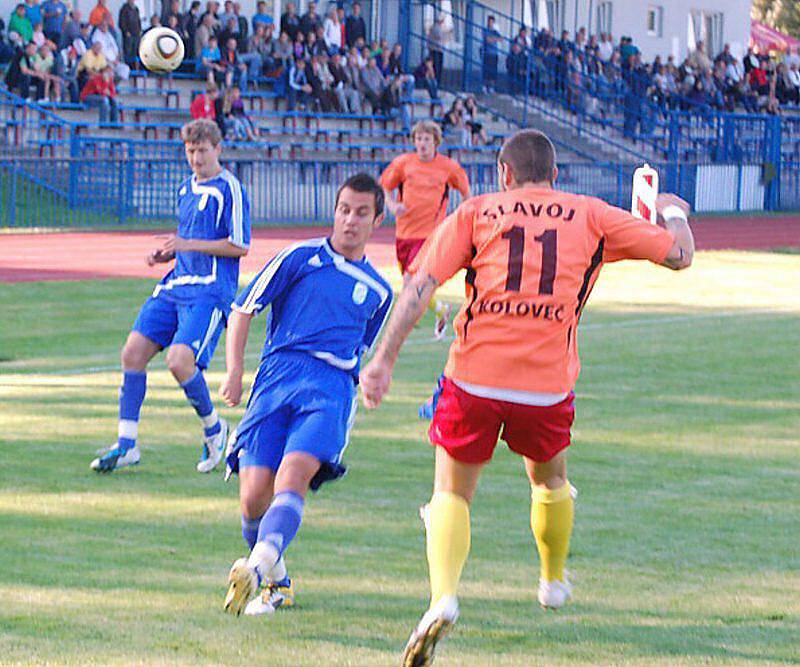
{"points": [[82, 255]]}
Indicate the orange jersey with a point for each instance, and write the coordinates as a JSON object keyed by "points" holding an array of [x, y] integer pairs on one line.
{"points": [[424, 190], [532, 256]]}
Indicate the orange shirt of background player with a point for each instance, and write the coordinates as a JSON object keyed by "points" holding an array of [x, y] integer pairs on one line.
{"points": [[532, 256], [424, 190], [98, 13]]}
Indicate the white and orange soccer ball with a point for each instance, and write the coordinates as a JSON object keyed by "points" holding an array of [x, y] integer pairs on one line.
{"points": [[161, 50]]}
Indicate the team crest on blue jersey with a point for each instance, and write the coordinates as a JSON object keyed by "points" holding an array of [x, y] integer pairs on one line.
{"points": [[359, 293]]}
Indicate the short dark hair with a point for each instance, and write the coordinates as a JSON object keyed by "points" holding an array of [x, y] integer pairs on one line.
{"points": [[531, 156], [362, 182]]}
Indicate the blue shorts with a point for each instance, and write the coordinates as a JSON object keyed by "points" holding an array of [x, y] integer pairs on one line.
{"points": [[197, 325], [298, 404]]}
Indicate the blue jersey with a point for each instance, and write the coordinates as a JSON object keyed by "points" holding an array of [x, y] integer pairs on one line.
{"points": [[322, 304], [214, 209]]}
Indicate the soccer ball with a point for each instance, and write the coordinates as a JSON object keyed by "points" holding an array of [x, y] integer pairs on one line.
{"points": [[161, 49]]}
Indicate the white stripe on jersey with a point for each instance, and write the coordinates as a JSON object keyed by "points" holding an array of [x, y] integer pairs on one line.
{"points": [[336, 362], [237, 209], [211, 192], [213, 323], [190, 280], [250, 304]]}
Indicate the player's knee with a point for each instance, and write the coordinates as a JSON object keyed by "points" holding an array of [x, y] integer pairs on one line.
{"points": [[180, 360], [133, 358]]}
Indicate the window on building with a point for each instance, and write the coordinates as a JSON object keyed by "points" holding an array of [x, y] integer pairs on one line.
{"points": [[707, 27], [551, 15], [655, 20], [604, 17]]}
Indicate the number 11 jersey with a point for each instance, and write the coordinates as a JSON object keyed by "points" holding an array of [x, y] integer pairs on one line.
{"points": [[532, 256]]}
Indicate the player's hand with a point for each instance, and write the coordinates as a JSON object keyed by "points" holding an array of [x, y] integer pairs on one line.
{"points": [[374, 379], [231, 390], [665, 199], [399, 209], [173, 243], [159, 257]]}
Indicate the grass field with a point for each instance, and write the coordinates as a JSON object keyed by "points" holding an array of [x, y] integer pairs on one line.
{"points": [[686, 455]]}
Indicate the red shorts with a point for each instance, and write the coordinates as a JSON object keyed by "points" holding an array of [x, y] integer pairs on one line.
{"points": [[468, 426], [407, 250]]}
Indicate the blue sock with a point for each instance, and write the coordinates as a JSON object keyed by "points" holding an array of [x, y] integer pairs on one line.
{"points": [[196, 391], [250, 531], [282, 520], [131, 397]]}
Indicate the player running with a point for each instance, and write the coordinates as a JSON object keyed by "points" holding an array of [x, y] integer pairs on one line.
{"points": [[328, 305], [532, 256], [423, 180], [189, 307]]}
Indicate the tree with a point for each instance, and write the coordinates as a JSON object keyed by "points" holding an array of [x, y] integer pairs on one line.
{"points": [[783, 15]]}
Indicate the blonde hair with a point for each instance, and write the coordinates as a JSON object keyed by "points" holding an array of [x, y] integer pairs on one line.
{"points": [[200, 130], [427, 127]]}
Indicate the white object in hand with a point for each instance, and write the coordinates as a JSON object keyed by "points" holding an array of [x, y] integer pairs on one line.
{"points": [[645, 191]]}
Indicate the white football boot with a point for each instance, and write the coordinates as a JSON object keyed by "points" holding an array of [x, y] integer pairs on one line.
{"points": [[554, 594], [435, 624], [213, 449], [113, 457]]}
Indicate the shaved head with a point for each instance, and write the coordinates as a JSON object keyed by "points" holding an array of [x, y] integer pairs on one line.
{"points": [[530, 156]]}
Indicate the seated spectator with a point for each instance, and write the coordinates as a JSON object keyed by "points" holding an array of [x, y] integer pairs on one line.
{"points": [[44, 62], [211, 62], [758, 78], [203, 105], [373, 85], [393, 105], [299, 47], [282, 51], [478, 134], [66, 67], [100, 15], [105, 37], [20, 30], [238, 126], [791, 82], [22, 75], [332, 32], [300, 89], [6, 50], [385, 63], [425, 75], [155, 22], [316, 43], [344, 86], [454, 123], [92, 62], [100, 92], [321, 81], [235, 69], [260, 46]]}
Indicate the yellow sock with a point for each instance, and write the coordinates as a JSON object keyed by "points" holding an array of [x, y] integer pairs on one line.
{"points": [[448, 542], [552, 513]]}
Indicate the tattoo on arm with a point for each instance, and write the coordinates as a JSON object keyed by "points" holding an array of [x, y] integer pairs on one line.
{"points": [[410, 308]]}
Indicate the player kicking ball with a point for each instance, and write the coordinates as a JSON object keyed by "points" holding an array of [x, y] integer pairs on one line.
{"points": [[189, 307], [423, 180], [328, 305], [532, 255]]}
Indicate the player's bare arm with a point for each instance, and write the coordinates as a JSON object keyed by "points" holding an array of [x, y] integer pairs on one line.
{"points": [[395, 207], [159, 256], [673, 214], [411, 306], [235, 343], [218, 247]]}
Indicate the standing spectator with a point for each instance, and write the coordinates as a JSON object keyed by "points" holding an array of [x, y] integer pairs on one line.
{"points": [[155, 22], [72, 29], [43, 63], [110, 49], [332, 32], [698, 58], [100, 15], [230, 29], [299, 87], [170, 8], [203, 105], [426, 74], [210, 62], [261, 17], [792, 81], [226, 16], [344, 86], [22, 75], [310, 21], [235, 69], [290, 21], [203, 34], [20, 29], [189, 24], [516, 67], [491, 52], [355, 27], [437, 42], [54, 13], [373, 83], [244, 28], [212, 9], [130, 24], [34, 12], [92, 62], [525, 43], [724, 56], [100, 92]]}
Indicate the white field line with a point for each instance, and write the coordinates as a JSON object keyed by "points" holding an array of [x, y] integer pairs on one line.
{"points": [[598, 326]]}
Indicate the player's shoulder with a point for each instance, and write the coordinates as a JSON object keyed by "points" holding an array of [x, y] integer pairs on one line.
{"points": [[447, 162], [226, 181], [377, 275], [303, 251]]}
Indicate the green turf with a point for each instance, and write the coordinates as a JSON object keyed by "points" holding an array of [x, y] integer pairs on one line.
{"points": [[685, 453]]}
